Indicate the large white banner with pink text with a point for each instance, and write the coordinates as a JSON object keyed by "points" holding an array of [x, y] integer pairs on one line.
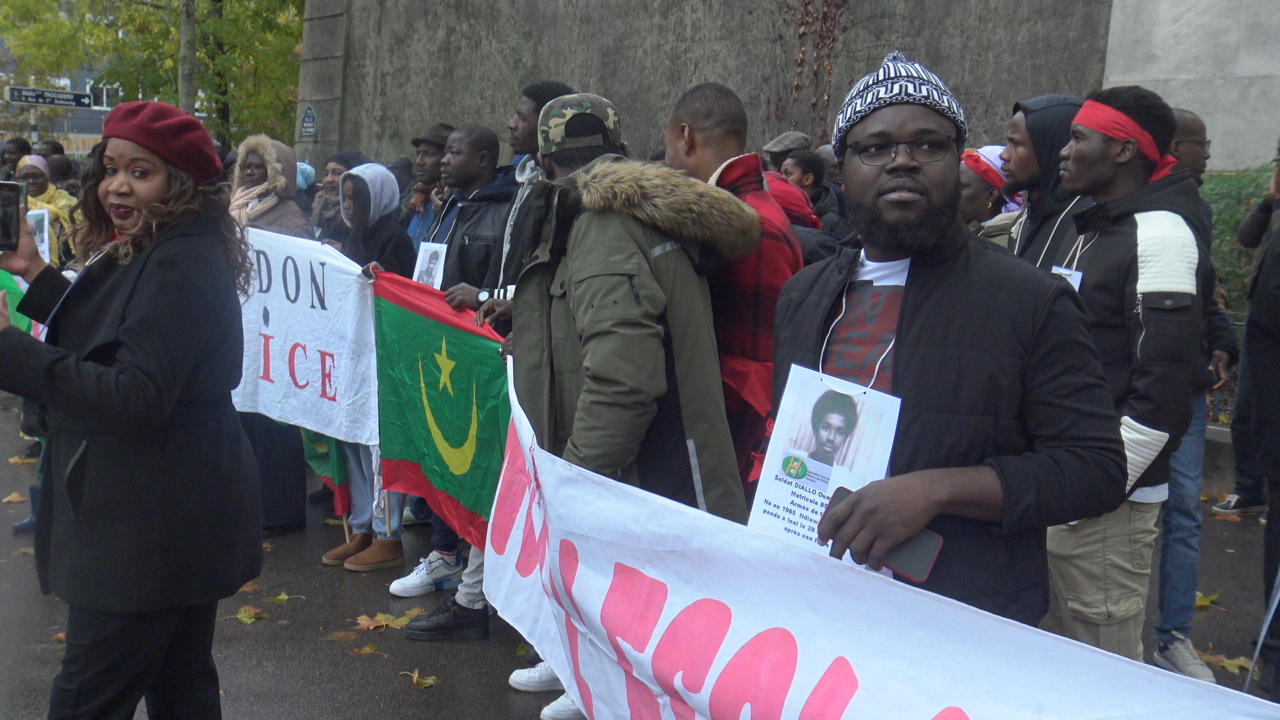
{"points": [[649, 609], [309, 355]]}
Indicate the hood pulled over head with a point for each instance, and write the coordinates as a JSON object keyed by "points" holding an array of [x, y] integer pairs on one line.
{"points": [[281, 162], [1049, 125], [384, 191]]}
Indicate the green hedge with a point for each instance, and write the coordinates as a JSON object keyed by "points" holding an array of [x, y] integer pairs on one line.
{"points": [[1231, 194]]}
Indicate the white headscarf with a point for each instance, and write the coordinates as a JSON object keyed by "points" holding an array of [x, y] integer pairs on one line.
{"points": [[384, 191]]}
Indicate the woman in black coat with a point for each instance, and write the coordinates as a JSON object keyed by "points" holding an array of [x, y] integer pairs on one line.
{"points": [[150, 511]]}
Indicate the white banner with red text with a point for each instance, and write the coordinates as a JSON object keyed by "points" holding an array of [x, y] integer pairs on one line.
{"points": [[309, 356], [650, 609]]}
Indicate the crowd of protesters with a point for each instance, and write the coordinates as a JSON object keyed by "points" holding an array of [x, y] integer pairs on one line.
{"points": [[1044, 309]]}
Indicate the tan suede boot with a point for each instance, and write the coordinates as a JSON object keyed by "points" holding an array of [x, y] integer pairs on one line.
{"points": [[381, 554], [358, 543]]}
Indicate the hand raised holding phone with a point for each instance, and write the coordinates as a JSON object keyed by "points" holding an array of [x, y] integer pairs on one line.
{"points": [[21, 258]]}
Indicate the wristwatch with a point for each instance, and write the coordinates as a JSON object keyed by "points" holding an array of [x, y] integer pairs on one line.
{"points": [[483, 296]]}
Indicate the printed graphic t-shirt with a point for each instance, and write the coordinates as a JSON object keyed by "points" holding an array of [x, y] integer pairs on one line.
{"points": [[863, 334]]}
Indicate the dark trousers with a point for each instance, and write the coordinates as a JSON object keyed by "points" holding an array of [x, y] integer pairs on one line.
{"points": [[1249, 483], [114, 660], [282, 469]]}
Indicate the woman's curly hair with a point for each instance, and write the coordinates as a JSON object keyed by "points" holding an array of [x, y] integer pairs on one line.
{"points": [[184, 202]]}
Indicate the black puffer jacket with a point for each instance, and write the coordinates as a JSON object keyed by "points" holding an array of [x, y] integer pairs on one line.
{"points": [[1032, 404], [475, 239], [1143, 270]]}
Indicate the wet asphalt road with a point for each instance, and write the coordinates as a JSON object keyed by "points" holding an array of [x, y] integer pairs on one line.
{"points": [[283, 668]]}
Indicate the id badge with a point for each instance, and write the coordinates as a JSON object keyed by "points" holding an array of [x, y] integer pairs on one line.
{"points": [[1073, 276]]}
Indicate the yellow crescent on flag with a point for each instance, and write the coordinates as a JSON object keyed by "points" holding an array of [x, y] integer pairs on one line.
{"points": [[457, 458]]}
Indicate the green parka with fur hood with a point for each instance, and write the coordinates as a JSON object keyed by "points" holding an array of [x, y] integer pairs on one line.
{"points": [[615, 353]]}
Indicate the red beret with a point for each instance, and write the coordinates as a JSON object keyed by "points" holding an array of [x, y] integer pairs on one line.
{"points": [[175, 136]]}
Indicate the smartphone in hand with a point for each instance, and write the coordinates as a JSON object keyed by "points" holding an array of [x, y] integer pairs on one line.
{"points": [[914, 557], [12, 214]]}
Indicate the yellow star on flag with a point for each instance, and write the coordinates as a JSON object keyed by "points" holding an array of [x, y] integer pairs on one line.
{"points": [[446, 366]]}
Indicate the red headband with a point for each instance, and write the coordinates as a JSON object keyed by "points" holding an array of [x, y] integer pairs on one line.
{"points": [[1115, 124], [978, 164]]}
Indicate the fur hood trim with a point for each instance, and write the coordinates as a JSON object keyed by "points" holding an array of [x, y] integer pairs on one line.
{"points": [[281, 161], [671, 201]]}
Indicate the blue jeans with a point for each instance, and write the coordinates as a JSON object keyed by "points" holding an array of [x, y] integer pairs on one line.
{"points": [[1180, 542], [360, 473], [443, 538]]}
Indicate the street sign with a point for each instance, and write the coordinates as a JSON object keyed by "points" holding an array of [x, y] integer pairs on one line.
{"points": [[309, 122], [54, 98]]}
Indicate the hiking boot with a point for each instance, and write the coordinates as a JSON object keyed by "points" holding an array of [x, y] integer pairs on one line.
{"points": [[359, 543], [437, 571], [1234, 505], [540, 678], [450, 621], [381, 554], [564, 708], [1179, 655]]}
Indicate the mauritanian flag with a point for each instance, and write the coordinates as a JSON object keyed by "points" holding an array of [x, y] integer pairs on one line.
{"points": [[442, 401]]}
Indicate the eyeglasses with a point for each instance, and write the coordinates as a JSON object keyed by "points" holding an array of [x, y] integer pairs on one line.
{"points": [[879, 153], [1202, 143]]}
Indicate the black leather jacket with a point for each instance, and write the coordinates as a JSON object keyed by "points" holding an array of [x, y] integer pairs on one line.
{"points": [[475, 240]]}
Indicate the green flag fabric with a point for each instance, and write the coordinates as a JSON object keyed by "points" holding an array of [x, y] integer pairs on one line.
{"points": [[10, 285], [442, 403]]}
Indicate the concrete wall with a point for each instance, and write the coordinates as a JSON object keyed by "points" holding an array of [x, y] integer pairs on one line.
{"points": [[379, 71], [1218, 58]]}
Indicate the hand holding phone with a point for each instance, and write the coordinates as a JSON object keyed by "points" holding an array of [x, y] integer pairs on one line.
{"points": [[885, 514], [18, 253]]}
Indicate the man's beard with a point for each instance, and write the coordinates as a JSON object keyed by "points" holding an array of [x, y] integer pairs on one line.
{"points": [[927, 233]]}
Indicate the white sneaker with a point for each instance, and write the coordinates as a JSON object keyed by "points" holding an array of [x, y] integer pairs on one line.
{"points": [[539, 678], [408, 518], [434, 572], [564, 708], [1180, 656]]}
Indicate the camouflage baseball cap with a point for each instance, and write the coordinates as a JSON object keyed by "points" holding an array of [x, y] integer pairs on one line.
{"points": [[552, 136]]}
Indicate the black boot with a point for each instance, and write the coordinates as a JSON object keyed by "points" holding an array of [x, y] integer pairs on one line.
{"points": [[450, 621]]}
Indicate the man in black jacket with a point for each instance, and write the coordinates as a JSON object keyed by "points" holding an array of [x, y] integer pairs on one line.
{"points": [[1038, 130], [474, 217], [1139, 271], [1029, 439]]}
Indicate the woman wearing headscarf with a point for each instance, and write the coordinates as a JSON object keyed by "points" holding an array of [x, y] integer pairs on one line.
{"points": [[150, 511], [326, 208], [983, 205], [33, 170], [370, 207], [262, 197]]}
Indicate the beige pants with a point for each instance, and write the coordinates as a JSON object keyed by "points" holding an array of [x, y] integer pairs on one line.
{"points": [[1100, 570]]}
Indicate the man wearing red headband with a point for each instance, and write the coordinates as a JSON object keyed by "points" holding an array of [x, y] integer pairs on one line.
{"points": [[1138, 268]]}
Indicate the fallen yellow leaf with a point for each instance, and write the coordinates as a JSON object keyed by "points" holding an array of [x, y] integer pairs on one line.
{"points": [[250, 587], [377, 624], [332, 521], [248, 615], [1204, 602], [25, 551], [367, 650], [1227, 518], [421, 681], [14, 498], [23, 460], [1232, 666], [285, 597], [1204, 497], [266, 546], [60, 637], [522, 650], [342, 636]]}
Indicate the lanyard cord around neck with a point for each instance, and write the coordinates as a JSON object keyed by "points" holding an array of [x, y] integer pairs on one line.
{"points": [[1054, 231]]}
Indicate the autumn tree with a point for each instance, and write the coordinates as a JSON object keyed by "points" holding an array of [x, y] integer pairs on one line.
{"points": [[246, 60]]}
